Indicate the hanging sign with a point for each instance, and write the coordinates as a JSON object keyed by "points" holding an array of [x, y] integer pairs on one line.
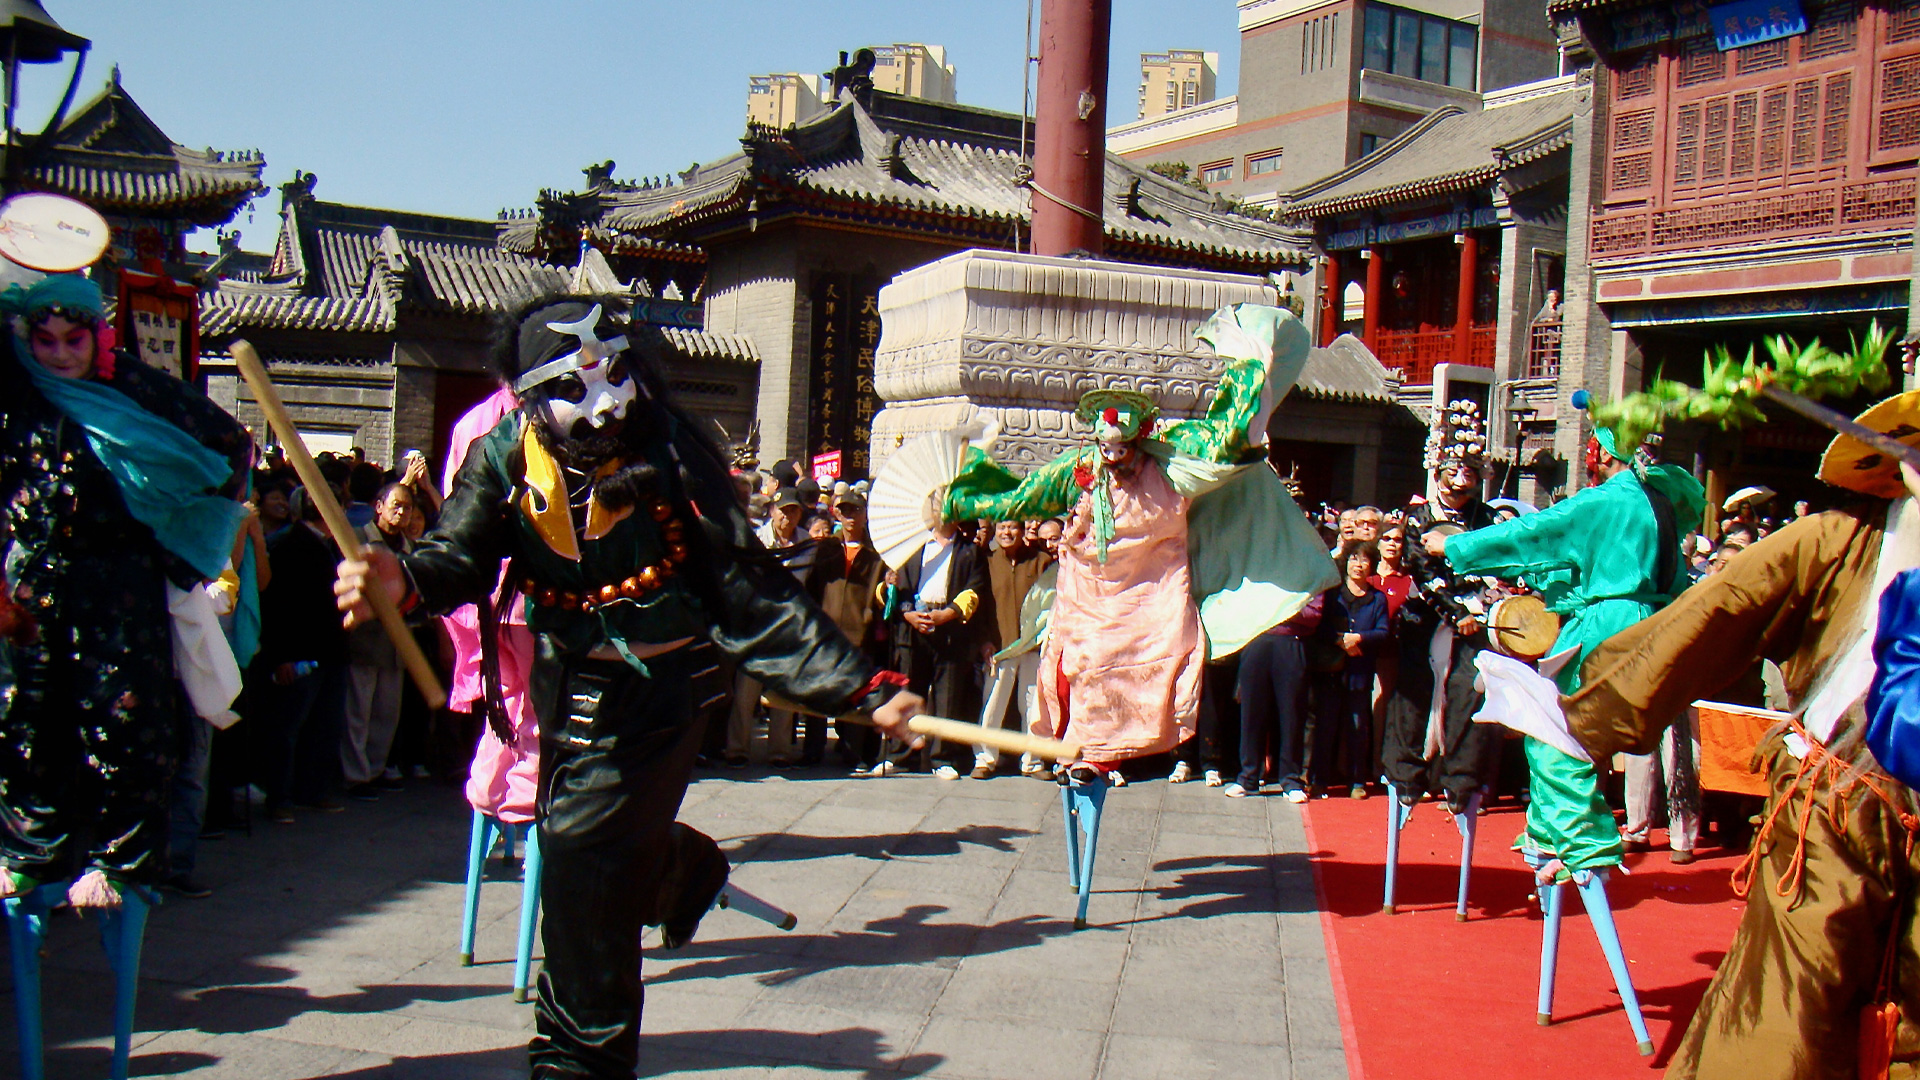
{"points": [[1749, 22]]}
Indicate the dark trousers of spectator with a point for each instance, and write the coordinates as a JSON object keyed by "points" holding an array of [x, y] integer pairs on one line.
{"points": [[1273, 668], [187, 805], [950, 688], [1216, 739], [1342, 740], [300, 738]]}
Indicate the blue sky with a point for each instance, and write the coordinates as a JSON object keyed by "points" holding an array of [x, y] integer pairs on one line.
{"points": [[467, 107]]}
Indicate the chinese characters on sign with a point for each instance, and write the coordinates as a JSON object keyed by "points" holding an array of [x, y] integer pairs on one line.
{"points": [[159, 321], [846, 332], [1749, 22]]}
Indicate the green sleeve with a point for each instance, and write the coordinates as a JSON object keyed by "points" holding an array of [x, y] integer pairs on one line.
{"points": [[985, 489], [1221, 435], [1535, 543]]}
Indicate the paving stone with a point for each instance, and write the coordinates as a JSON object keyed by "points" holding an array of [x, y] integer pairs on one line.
{"points": [[1159, 1057], [993, 1050]]}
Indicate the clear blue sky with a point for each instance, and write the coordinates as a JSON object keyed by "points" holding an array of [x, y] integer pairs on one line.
{"points": [[467, 106]]}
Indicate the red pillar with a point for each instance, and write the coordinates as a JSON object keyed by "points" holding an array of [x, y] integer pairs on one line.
{"points": [[1463, 313], [1370, 321], [1331, 297], [1070, 127]]}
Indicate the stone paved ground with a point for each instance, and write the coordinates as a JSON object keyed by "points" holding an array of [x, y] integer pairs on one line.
{"points": [[935, 939]]}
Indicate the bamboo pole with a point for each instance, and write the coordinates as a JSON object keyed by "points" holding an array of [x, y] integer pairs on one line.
{"points": [[1007, 742], [255, 373]]}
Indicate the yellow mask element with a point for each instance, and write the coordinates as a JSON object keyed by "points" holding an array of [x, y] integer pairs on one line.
{"points": [[545, 500]]}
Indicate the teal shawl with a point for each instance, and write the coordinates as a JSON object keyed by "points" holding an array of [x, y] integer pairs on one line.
{"points": [[168, 481]]}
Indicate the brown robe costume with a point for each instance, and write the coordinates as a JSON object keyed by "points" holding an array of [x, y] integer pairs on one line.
{"points": [[1786, 1000]]}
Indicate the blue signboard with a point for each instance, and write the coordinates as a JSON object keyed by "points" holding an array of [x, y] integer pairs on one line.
{"points": [[1749, 22]]}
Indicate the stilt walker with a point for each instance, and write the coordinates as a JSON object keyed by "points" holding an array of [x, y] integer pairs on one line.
{"points": [[120, 485], [1158, 513]]}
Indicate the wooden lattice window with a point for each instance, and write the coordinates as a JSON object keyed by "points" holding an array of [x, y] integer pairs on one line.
{"points": [[1633, 130], [1630, 171], [1903, 22], [1713, 148], [1802, 146], [1899, 129], [1686, 146], [1746, 121], [1637, 81], [1833, 127], [1831, 31], [1700, 63], [1773, 131], [1766, 56]]}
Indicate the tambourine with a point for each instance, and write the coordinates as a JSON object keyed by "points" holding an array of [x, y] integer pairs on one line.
{"points": [[1522, 627]]}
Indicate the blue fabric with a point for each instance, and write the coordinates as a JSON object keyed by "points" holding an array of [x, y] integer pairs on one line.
{"points": [[244, 633], [167, 480], [1893, 700]]}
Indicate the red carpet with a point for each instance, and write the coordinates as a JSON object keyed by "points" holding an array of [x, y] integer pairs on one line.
{"points": [[1422, 995]]}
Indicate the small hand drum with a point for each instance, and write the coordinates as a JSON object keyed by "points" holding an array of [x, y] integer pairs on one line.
{"points": [[1522, 627]]}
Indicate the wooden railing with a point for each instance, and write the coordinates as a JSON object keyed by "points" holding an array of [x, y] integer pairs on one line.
{"points": [[1827, 209], [1543, 348], [1417, 352]]}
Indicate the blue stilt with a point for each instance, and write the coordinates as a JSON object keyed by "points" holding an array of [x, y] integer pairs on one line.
{"points": [[477, 846], [1550, 895], [27, 932], [529, 912], [1073, 838], [1397, 816], [1593, 894], [122, 932], [1468, 822], [1083, 800]]}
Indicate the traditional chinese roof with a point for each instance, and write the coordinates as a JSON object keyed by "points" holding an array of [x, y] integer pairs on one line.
{"points": [[1346, 371], [929, 168], [113, 157], [1450, 150], [354, 269]]}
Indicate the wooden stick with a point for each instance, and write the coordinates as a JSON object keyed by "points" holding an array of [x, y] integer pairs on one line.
{"points": [[1843, 424], [252, 370], [1007, 742]]}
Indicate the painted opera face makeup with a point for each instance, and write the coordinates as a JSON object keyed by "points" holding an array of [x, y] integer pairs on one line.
{"points": [[62, 347], [1116, 453], [590, 400], [1459, 480]]}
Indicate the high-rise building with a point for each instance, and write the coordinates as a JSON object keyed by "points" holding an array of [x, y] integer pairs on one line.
{"points": [[783, 100], [914, 70], [1176, 79]]}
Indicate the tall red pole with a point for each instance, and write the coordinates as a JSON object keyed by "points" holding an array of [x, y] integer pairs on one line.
{"points": [[1070, 127], [1331, 298], [1370, 321], [1463, 313]]}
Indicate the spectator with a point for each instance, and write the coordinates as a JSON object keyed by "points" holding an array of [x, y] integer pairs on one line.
{"points": [[1366, 523], [364, 482], [1012, 569], [415, 474], [1738, 534], [783, 525], [941, 588], [1273, 671], [781, 531], [1801, 508], [1356, 622], [373, 671], [270, 505], [1393, 581], [302, 666], [820, 528], [847, 589]]}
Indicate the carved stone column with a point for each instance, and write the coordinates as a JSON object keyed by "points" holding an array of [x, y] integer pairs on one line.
{"points": [[1018, 338]]}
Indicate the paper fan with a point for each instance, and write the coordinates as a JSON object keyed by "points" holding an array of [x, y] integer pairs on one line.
{"points": [[51, 233], [897, 508]]}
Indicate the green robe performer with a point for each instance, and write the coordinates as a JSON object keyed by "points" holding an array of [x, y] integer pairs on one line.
{"points": [[1602, 560]]}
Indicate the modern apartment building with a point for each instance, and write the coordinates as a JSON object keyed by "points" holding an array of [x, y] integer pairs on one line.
{"points": [[783, 100], [1323, 82], [914, 70], [1176, 79]]}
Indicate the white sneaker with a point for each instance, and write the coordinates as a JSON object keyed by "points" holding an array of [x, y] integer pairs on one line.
{"points": [[1213, 778], [1182, 772], [946, 772], [880, 768], [1116, 778], [1297, 795], [1234, 791]]}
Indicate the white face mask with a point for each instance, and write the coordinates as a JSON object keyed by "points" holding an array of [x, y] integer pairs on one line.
{"points": [[598, 394]]}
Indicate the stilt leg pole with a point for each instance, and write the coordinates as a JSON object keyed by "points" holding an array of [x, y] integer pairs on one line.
{"points": [[1593, 894]]}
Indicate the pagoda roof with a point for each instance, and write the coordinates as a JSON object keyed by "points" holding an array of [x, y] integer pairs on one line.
{"points": [[1346, 371], [932, 168], [353, 269], [112, 156], [1448, 151]]}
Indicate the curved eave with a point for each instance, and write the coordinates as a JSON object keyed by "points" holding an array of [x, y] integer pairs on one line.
{"points": [[1463, 180], [223, 315]]}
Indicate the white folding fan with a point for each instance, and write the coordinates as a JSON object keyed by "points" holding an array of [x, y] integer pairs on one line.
{"points": [[899, 514]]}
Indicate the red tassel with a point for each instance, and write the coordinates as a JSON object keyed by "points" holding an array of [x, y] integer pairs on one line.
{"points": [[1879, 1024], [1111, 416]]}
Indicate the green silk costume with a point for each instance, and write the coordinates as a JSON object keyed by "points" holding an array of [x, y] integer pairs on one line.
{"points": [[1593, 558], [1243, 589]]}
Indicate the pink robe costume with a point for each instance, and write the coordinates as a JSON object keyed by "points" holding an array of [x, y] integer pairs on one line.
{"points": [[1125, 639], [502, 780]]}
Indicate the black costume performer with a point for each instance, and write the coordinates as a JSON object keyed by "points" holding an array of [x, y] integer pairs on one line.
{"points": [[1442, 601], [89, 721], [635, 563]]}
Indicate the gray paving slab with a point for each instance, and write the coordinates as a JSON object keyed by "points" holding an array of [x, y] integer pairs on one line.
{"points": [[936, 939]]}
